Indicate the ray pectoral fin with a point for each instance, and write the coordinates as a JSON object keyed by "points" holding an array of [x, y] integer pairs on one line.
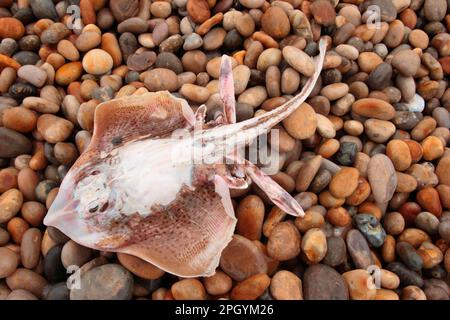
{"points": [[277, 194]]}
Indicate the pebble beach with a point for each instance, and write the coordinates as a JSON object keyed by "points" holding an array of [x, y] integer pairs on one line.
{"points": [[367, 156]]}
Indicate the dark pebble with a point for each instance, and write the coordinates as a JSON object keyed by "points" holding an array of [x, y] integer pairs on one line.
{"points": [[243, 111], [53, 267], [371, 228], [331, 76], [359, 250], [128, 44], [321, 282], [57, 235], [44, 9], [405, 120], [346, 153], [13, 143], [49, 153], [222, 6], [8, 46], [409, 256], [20, 91], [58, 291], [336, 251], [43, 188], [141, 61], [320, 181], [30, 43], [103, 93], [26, 57], [232, 41], [380, 77], [25, 15], [169, 61], [131, 76], [436, 289], [407, 277]]}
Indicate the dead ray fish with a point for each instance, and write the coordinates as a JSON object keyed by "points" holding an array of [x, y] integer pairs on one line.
{"points": [[126, 193]]}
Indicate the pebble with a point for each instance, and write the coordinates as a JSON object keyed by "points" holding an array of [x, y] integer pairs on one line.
{"points": [[97, 62], [321, 282], [159, 79], [434, 10], [336, 253], [299, 60], [344, 182], [242, 259], [251, 288], [407, 62], [360, 284], [382, 178], [398, 151], [374, 108], [58, 291], [74, 254], [407, 277], [10, 204], [30, 248], [198, 10], [284, 242], [54, 129], [13, 143], [409, 256], [8, 262], [307, 173], [275, 22], [302, 123], [250, 215], [124, 9], [323, 12], [218, 284], [106, 282], [188, 289], [285, 285], [380, 76], [195, 93], [430, 254], [27, 280], [53, 268], [19, 119], [139, 267], [358, 249], [11, 28]]}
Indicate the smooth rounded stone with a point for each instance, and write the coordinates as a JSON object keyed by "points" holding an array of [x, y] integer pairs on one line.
{"points": [[8, 262], [58, 291], [407, 86], [285, 285], [32, 74], [428, 198], [97, 62], [321, 181], [169, 61], [405, 120], [106, 282], [321, 282], [382, 178], [140, 267], [347, 153], [379, 130], [388, 12], [27, 280], [134, 25], [195, 93], [407, 62], [214, 39], [241, 76], [284, 242], [245, 26], [252, 4], [444, 230], [253, 96], [251, 288], [217, 284], [314, 245], [407, 277], [380, 76], [275, 22], [442, 170], [442, 116], [435, 10], [30, 248], [19, 119], [53, 268], [74, 254], [336, 253], [141, 61], [192, 41], [188, 289], [10, 203], [43, 189], [334, 91], [160, 79], [416, 104], [307, 173], [358, 249], [54, 129], [26, 57], [302, 123], [299, 60], [128, 44], [250, 215], [124, 9], [360, 284], [344, 182], [374, 108], [436, 289], [20, 294], [11, 28], [371, 228], [431, 255], [13, 143], [44, 9], [242, 259], [269, 57]]}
